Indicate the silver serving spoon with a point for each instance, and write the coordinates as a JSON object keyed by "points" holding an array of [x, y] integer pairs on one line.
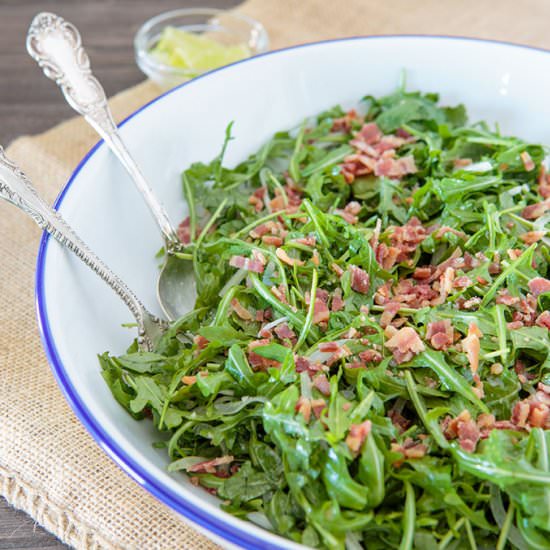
{"points": [[16, 188], [56, 46]]}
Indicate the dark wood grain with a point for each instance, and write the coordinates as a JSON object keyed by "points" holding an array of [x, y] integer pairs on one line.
{"points": [[29, 104]]}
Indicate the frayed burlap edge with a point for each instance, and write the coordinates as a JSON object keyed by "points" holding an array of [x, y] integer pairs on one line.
{"points": [[54, 518]]}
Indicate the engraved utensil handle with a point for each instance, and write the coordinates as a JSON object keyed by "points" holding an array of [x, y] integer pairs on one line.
{"points": [[56, 46], [16, 188]]}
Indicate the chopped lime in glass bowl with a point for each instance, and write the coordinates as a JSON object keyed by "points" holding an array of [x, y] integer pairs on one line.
{"points": [[182, 44], [186, 50]]}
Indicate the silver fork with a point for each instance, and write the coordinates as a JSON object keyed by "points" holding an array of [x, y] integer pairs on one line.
{"points": [[56, 45], [17, 189]]}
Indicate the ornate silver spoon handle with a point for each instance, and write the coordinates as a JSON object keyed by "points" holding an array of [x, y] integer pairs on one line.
{"points": [[16, 188], [56, 46]]}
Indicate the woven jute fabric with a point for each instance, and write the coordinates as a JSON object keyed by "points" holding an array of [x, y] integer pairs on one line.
{"points": [[49, 465]]}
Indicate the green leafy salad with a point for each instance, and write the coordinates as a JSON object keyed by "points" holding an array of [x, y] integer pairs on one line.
{"points": [[368, 361]]}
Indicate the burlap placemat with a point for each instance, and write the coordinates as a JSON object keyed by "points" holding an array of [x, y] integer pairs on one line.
{"points": [[49, 465]]}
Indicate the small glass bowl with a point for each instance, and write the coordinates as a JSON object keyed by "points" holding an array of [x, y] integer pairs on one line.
{"points": [[228, 28]]}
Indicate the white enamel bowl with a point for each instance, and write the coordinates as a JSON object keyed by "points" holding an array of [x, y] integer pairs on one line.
{"points": [[79, 316]]}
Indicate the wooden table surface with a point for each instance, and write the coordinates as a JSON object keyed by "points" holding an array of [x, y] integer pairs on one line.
{"points": [[29, 103]]}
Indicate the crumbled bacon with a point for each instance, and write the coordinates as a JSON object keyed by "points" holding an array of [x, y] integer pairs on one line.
{"points": [[241, 311], [404, 344], [544, 183], [259, 231], [505, 298], [256, 360], [370, 356], [188, 380], [464, 428], [534, 211], [284, 257], [471, 346], [527, 161], [409, 449], [538, 285], [309, 240], [317, 405], [284, 332], [360, 281], [337, 303], [422, 273], [200, 341], [344, 123], [248, 264], [322, 384], [184, 231], [462, 282], [272, 240], [390, 311], [395, 168], [256, 202], [532, 236], [440, 334], [543, 320], [321, 312], [210, 466], [357, 435], [350, 218], [303, 407], [534, 411], [407, 237]]}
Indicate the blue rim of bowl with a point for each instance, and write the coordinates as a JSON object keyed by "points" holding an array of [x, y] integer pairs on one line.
{"points": [[231, 533]]}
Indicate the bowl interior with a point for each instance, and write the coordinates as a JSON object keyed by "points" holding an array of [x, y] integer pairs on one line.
{"points": [[80, 316]]}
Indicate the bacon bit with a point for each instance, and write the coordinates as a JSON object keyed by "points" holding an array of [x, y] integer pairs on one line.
{"points": [[534, 211], [315, 258], [543, 320], [209, 466], [337, 269], [358, 433], [278, 204], [405, 343], [446, 281], [370, 356], [471, 346], [256, 360], [309, 240], [241, 311], [259, 231], [256, 202], [302, 364], [321, 312], [369, 133], [406, 238], [279, 293], [303, 407], [528, 163], [440, 334], [272, 240], [422, 273], [469, 304], [184, 231], [337, 303], [283, 331], [544, 183], [514, 325], [189, 380], [446, 229], [532, 236], [346, 216], [505, 298], [463, 428], [344, 123], [329, 347], [322, 384], [395, 168], [240, 262], [387, 256], [360, 281], [398, 420], [409, 449], [390, 311], [200, 341], [284, 257], [520, 414], [460, 163], [317, 405], [462, 282], [538, 286]]}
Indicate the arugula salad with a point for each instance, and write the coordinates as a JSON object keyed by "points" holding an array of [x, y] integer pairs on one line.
{"points": [[368, 361]]}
